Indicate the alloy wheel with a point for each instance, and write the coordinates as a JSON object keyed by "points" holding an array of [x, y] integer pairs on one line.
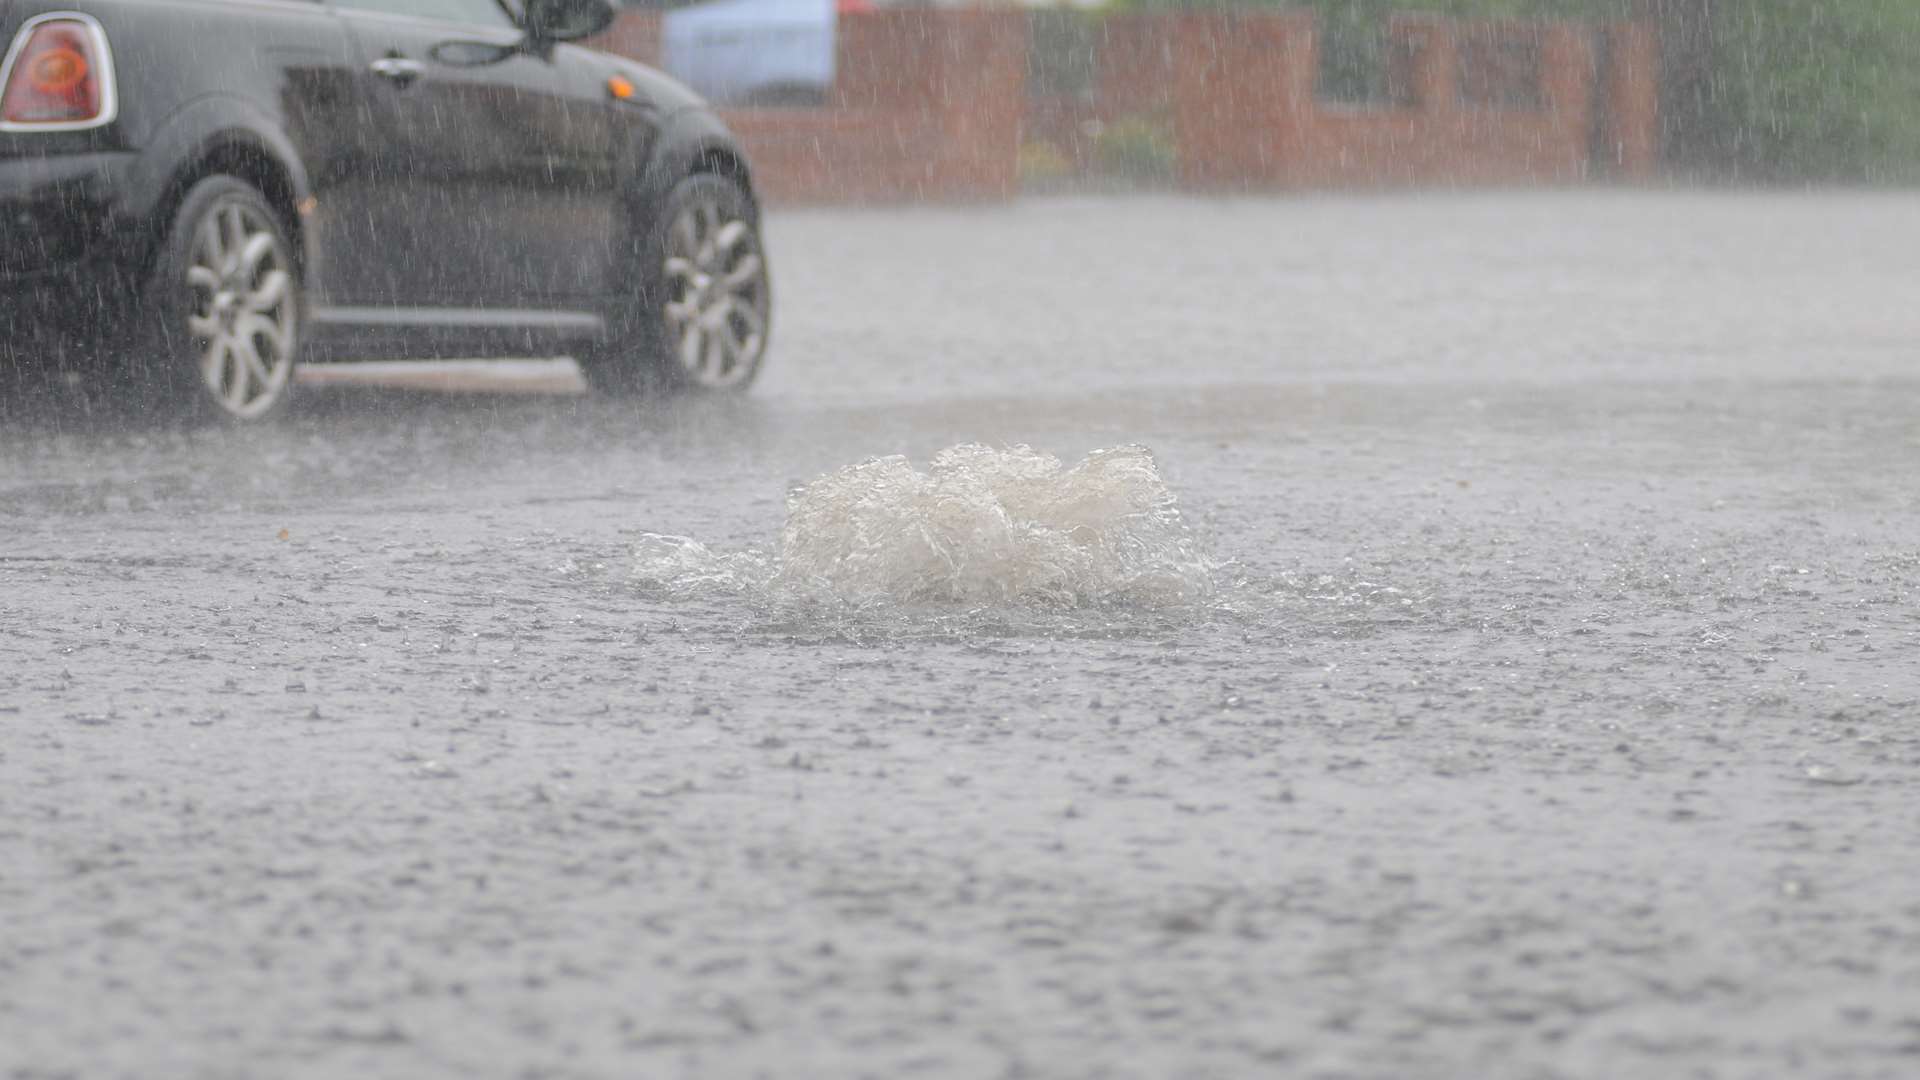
{"points": [[241, 308], [716, 295]]}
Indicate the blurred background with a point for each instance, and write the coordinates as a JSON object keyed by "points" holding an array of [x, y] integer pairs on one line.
{"points": [[869, 100]]}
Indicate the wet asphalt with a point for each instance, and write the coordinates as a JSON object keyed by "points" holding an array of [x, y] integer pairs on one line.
{"points": [[1555, 715]]}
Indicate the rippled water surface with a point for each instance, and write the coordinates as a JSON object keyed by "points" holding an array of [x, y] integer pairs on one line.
{"points": [[1504, 662]]}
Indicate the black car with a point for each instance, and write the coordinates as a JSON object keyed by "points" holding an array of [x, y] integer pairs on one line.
{"points": [[196, 194]]}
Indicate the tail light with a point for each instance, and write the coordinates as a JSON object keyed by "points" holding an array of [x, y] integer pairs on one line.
{"points": [[58, 76]]}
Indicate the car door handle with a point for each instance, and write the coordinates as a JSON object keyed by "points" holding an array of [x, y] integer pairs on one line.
{"points": [[398, 69]]}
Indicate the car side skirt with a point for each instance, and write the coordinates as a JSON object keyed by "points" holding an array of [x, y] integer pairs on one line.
{"points": [[380, 333]]}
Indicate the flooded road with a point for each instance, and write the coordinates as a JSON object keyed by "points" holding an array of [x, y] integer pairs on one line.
{"points": [[1549, 709]]}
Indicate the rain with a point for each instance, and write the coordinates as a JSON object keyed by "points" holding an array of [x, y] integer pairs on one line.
{"points": [[1350, 539]]}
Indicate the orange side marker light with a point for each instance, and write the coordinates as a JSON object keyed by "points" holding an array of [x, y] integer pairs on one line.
{"points": [[619, 87]]}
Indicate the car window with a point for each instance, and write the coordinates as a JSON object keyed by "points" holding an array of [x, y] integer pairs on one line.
{"points": [[467, 12]]}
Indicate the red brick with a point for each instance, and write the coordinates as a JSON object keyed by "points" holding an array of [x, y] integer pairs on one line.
{"points": [[1632, 89], [930, 104]]}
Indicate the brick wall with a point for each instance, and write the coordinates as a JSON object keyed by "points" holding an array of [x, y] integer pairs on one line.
{"points": [[932, 104], [1248, 116], [1630, 140], [635, 35]]}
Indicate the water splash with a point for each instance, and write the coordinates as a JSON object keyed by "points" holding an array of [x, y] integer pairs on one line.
{"points": [[980, 526], [681, 567]]}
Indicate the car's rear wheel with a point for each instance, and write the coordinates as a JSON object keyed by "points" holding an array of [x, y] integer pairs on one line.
{"points": [[706, 302], [218, 326]]}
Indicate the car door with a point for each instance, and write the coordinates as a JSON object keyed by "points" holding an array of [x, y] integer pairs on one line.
{"points": [[497, 164]]}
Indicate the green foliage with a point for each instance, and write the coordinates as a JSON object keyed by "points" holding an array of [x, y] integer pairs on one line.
{"points": [[1138, 148], [1061, 53], [1374, 10], [1816, 90], [1042, 163]]}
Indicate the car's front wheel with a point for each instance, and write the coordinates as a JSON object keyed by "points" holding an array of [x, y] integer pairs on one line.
{"points": [[218, 326], [706, 302]]}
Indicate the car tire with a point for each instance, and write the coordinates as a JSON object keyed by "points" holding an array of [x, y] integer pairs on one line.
{"points": [[216, 331], [703, 316]]}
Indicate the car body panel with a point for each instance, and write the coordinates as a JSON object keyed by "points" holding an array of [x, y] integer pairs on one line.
{"points": [[499, 174]]}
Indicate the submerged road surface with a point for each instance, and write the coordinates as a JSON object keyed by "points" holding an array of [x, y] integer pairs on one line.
{"points": [[1552, 712]]}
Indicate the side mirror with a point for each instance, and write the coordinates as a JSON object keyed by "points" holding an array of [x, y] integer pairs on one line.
{"points": [[566, 20]]}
